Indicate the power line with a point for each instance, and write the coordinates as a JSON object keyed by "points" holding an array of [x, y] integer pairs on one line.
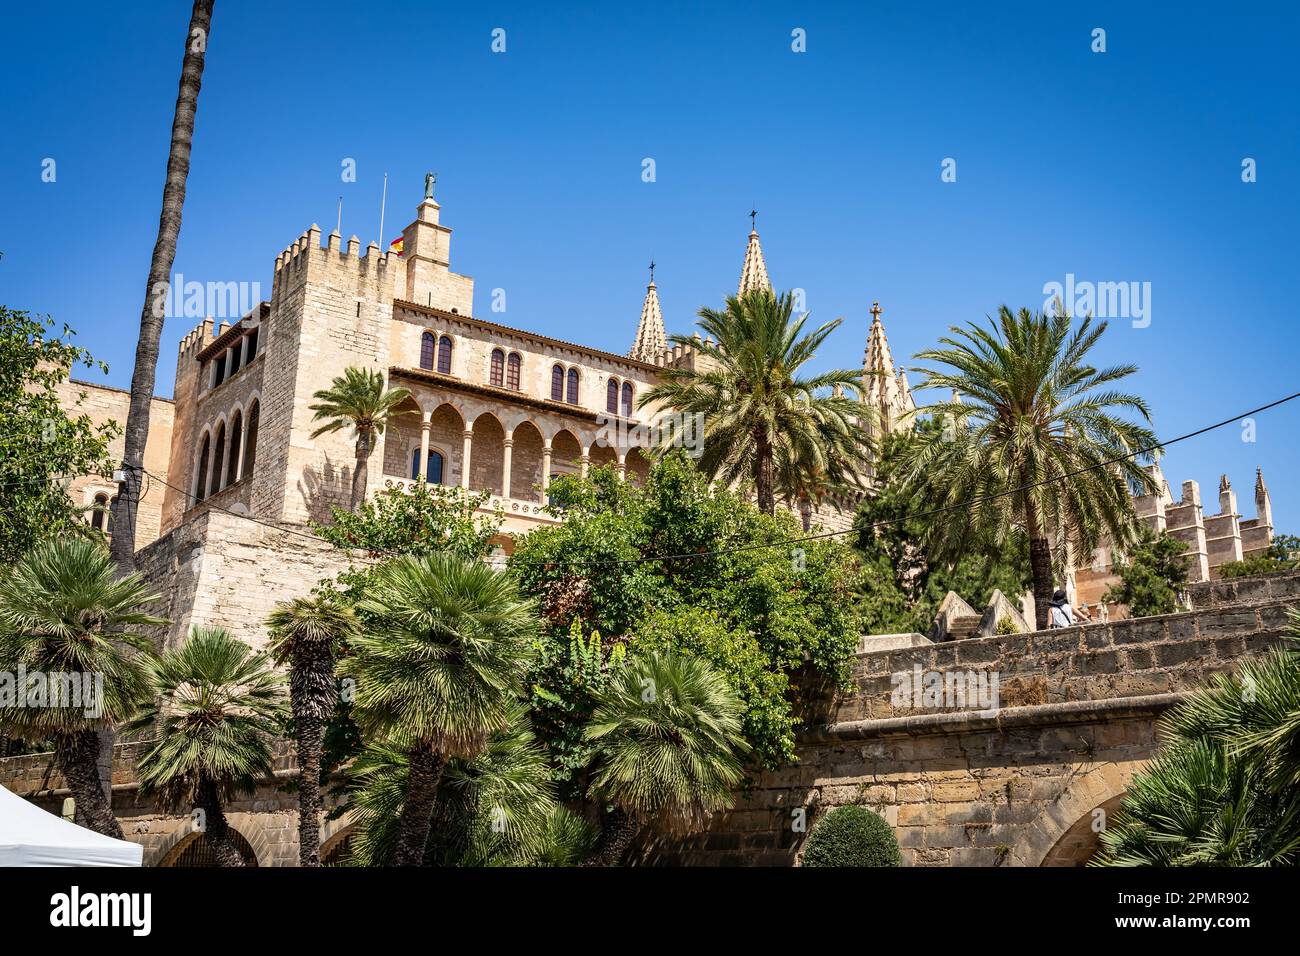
{"points": [[789, 542]]}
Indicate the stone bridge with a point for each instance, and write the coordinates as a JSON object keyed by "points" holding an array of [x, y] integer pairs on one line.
{"points": [[1019, 784]]}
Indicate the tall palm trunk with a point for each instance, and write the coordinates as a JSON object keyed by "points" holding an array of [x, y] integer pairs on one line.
{"points": [[763, 475], [77, 757], [361, 473], [311, 733], [417, 806], [216, 829], [126, 505], [615, 837], [1040, 565], [805, 512]]}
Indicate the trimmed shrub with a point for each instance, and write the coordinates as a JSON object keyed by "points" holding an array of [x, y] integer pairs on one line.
{"points": [[851, 836]]}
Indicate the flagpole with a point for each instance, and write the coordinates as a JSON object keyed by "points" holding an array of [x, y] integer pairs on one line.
{"points": [[383, 203]]}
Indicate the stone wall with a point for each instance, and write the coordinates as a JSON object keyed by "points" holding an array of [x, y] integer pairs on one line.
{"points": [[1016, 784]]}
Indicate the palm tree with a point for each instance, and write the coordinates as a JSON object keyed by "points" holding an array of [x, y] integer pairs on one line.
{"points": [[756, 406], [806, 486], [126, 505], [63, 611], [438, 672], [218, 707], [357, 399], [1224, 789], [668, 736], [1037, 446], [306, 633]]}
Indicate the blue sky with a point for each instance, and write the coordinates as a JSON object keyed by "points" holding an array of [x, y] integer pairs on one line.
{"points": [[1123, 166]]}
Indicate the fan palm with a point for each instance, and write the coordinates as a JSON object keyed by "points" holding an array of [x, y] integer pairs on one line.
{"points": [[306, 634], [757, 406], [1038, 446], [357, 399], [65, 614], [1226, 789], [668, 735], [498, 807], [438, 674], [219, 705]]}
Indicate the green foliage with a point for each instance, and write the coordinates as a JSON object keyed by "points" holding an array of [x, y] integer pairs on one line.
{"points": [[1006, 626], [570, 671], [218, 707], [668, 737], [1151, 576], [794, 604], [497, 808], [64, 610], [1282, 555], [1223, 791], [40, 443], [901, 587], [851, 836], [357, 399], [420, 518]]}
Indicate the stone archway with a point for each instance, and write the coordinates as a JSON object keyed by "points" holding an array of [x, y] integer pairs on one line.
{"points": [[1080, 842], [1062, 824], [191, 850]]}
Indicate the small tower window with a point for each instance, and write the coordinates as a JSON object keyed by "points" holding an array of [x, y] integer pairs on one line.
{"points": [[627, 399], [572, 393], [100, 512], [496, 375], [512, 371], [444, 355], [611, 396], [426, 351], [250, 347], [557, 384]]}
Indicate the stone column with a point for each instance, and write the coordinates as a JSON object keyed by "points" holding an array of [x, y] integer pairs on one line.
{"points": [[586, 460], [546, 465], [425, 423], [622, 464], [505, 463], [466, 449]]}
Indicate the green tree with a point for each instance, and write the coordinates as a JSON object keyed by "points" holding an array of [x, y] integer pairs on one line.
{"points": [[793, 603], [437, 675], [668, 730], [761, 412], [64, 612], [218, 708], [419, 518], [42, 447], [1039, 445], [306, 633], [1224, 790], [1282, 555], [1151, 576], [358, 400], [851, 836]]}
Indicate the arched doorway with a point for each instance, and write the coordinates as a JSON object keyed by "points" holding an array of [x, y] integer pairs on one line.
{"points": [[1080, 842], [195, 850]]}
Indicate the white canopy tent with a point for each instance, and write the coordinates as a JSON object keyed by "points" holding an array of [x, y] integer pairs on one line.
{"points": [[31, 837]]}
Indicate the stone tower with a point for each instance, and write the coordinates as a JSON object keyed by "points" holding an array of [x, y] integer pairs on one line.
{"points": [[651, 340]]}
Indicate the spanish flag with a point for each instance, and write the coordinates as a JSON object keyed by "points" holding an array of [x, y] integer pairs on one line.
{"points": [[397, 244]]}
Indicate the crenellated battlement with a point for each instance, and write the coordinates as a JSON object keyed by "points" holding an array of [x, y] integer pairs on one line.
{"points": [[307, 252], [197, 338]]}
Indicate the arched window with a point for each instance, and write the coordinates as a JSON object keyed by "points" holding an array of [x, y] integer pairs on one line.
{"points": [[512, 371], [627, 399], [218, 458], [557, 384], [250, 348], [250, 438], [434, 473], [611, 396], [444, 355], [201, 477], [426, 351], [100, 512], [236, 438], [496, 376], [572, 394]]}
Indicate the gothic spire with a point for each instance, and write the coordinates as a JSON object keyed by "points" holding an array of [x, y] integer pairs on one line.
{"points": [[753, 274], [651, 341], [884, 385]]}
